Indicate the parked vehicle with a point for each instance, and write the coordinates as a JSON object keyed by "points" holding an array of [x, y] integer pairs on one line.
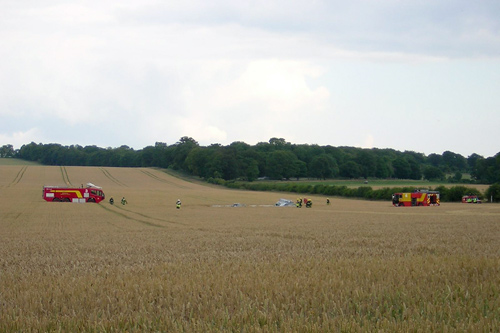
{"points": [[471, 199], [90, 193], [416, 198]]}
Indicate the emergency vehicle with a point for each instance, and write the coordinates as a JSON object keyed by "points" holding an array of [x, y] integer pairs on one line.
{"points": [[471, 199], [90, 193], [416, 198]]}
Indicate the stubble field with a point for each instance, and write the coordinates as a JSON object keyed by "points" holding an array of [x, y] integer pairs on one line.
{"points": [[350, 266]]}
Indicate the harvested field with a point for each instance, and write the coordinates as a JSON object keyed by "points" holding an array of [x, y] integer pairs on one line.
{"points": [[350, 266]]}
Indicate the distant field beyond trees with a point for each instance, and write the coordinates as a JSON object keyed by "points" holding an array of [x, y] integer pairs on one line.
{"points": [[16, 161]]}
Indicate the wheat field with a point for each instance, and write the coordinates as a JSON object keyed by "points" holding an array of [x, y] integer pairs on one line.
{"points": [[351, 266]]}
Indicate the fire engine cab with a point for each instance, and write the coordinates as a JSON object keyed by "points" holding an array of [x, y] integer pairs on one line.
{"points": [[90, 193], [416, 198]]}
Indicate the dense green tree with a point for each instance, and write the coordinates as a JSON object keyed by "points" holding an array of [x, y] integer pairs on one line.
{"points": [[276, 158], [160, 156], [402, 168], [75, 156], [471, 161], [227, 159], [7, 151], [306, 152], [455, 193], [457, 177], [367, 162], [350, 170], [52, 154], [31, 152], [454, 162], [282, 164], [383, 168], [100, 158], [323, 166], [301, 168], [335, 152], [415, 172], [251, 171], [182, 149], [197, 162], [263, 147], [493, 193], [124, 156], [487, 170], [247, 160], [147, 156], [435, 160], [433, 173], [418, 157], [279, 144]]}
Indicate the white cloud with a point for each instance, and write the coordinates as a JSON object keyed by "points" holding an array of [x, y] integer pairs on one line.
{"points": [[279, 84], [71, 14], [333, 72], [251, 101], [17, 139]]}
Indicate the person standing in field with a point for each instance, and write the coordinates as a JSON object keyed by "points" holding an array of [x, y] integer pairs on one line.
{"points": [[309, 203], [327, 201], [124, 201], [178, 204], [299, 203]]}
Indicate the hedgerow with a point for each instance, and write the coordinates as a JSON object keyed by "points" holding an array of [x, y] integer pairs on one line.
{"points": [[447, 194]]}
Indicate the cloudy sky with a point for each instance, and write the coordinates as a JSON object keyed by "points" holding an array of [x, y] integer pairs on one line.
{"points": [[421, 75]]}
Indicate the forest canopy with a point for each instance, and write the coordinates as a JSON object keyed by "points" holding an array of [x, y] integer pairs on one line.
{"points": [[275, 159]]}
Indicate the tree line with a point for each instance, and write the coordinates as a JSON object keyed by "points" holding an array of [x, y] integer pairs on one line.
{"points": [[275, 159]]}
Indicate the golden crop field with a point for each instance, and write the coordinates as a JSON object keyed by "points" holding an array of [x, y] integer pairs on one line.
{"points": [[351, 266]]}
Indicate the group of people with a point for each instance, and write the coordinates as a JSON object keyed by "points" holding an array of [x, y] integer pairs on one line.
{"points": [[124, 202], [300, 201], [307, 202]]}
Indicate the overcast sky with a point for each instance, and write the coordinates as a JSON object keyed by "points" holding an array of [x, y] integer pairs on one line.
{"points": [[409, 75]]}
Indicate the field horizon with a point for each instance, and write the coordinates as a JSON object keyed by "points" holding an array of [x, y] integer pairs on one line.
{"points": [[352, 265], [351, 183]]}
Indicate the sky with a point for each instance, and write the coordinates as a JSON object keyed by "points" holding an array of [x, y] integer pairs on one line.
{"points": [[417, 75]]}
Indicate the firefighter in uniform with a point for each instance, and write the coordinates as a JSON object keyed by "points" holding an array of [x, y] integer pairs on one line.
{"points": [[299, 202], [178, 204], [309, 203]]}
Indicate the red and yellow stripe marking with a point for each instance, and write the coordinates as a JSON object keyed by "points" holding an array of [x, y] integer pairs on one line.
{"points": [[78, 193]]}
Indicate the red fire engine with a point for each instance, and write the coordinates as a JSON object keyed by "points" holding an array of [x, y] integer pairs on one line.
{"points": [[416, 198], [91, 193]]}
